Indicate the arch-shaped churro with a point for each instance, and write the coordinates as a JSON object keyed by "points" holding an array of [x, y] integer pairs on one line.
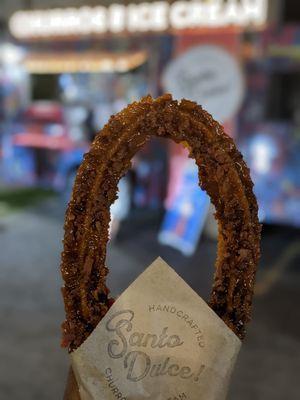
{"points": [[222, 173]]}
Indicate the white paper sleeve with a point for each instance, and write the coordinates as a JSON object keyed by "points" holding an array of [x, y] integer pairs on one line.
{"points": [[159, 341]]}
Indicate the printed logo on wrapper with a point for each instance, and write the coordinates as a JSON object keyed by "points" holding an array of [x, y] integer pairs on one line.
{"points": [[160, 341]]}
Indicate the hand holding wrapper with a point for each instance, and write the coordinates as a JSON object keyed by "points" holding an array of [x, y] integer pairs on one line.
{"points": [[71, 392]]}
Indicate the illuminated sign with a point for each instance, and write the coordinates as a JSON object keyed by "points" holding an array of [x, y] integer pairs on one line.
{"points": [[144, 17]]}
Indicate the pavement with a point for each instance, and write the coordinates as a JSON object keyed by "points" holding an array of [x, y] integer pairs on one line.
{"points": [[34, 367]]}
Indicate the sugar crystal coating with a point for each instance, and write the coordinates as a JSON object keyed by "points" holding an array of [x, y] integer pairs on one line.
{"points": [[222, 173]]}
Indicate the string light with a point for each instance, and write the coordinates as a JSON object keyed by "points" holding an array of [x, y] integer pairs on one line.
{"points": [[83, 62]]}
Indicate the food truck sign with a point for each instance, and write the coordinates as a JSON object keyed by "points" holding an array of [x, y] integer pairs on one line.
{"points": [[154, 16]]}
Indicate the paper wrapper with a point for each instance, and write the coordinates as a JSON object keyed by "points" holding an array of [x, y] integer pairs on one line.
{"points": [[159, 341]]}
